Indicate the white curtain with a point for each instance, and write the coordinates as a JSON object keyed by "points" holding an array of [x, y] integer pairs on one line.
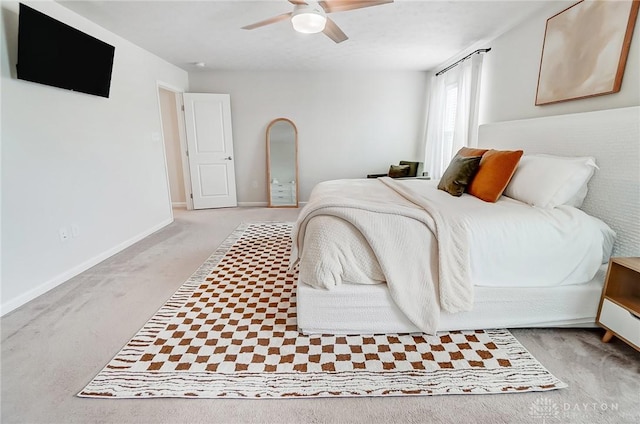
{"points": [[452, 115]]}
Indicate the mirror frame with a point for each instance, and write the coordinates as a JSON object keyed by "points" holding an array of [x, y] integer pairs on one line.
{"points": [[268, 142]]}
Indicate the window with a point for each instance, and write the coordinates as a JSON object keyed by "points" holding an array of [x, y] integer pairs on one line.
{"points": [[452, 116], [450, 108]]}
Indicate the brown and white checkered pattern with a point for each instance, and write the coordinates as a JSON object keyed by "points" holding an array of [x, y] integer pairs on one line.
{"points": [[241, 320]]}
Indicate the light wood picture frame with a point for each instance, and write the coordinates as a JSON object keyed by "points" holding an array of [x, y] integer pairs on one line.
{"points": [[585, 50]]}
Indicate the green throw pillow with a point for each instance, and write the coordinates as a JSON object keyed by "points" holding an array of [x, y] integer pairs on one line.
{"points": [[399, 171], [459, 173], [413, 167]]}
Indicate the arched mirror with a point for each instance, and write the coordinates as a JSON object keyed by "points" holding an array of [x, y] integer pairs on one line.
{"points": [[282, 163]]}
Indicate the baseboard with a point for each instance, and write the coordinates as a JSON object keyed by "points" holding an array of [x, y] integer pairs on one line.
{"points": [[260, 204], [15, 303], [253, 204], [178, 204]]}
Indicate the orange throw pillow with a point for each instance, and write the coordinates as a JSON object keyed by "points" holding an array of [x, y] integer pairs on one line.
{"points": [[495, 171], [468, 152]]}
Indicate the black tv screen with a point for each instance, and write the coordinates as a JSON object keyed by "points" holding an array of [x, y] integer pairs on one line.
{"points": [[53, 53]]}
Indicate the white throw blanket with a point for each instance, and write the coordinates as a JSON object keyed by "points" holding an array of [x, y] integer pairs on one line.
{"points": [[398, 224]]}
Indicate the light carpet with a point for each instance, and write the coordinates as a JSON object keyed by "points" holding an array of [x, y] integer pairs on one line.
{"points": [[230, 331]]}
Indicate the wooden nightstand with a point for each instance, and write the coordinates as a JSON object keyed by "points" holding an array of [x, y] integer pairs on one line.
{"points": [[619, 310]]}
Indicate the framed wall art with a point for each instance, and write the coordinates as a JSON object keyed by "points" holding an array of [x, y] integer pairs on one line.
{"points": [[585, 50]]}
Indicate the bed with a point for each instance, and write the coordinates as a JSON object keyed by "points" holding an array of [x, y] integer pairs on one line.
{"points": [[385, 256]]}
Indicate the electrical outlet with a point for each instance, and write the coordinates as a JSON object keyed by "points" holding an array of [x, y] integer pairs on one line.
{"points": [[64, 234], [75, 230]]}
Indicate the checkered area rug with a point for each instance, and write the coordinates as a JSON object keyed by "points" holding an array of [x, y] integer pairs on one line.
{"points": [[230, 331]]}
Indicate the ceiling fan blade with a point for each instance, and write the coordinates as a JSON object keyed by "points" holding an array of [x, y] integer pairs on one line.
{"points": [[332, 31], [269, 21], [331, 6], [297, 2]]}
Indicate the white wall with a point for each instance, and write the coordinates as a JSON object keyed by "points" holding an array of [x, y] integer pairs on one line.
{"points": [[510, 75], [349, 123], [73, 159]]}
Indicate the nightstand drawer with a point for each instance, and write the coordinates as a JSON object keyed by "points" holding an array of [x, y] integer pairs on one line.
{"points": [[282, 198], [282, 188], [621, 321]]}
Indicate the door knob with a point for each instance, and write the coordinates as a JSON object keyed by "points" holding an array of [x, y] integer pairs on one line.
{"points": [[227, 158]]}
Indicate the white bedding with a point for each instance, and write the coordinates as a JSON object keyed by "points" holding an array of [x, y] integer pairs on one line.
{"points": [[510, 244], [369, 309], [396, 231]]}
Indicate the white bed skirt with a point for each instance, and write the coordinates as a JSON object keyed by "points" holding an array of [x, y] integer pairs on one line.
{"points": [[369, 309]]}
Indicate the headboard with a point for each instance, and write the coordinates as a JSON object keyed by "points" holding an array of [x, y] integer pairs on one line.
{"points": [[612, 136]]}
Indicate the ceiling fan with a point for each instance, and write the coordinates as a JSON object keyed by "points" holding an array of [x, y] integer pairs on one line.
{"points": [[310, 18]]}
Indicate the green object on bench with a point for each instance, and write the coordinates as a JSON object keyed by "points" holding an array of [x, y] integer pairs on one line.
{"points": [[415, 168], [415, 171]]}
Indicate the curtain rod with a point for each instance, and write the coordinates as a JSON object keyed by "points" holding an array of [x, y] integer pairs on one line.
{"points": [[464, 58]]}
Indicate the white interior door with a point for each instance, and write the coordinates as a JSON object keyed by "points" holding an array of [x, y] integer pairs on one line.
{"points": [[210, 150]]}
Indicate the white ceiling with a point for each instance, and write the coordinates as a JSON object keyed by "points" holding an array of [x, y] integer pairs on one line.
{"points": [[404, 35]]}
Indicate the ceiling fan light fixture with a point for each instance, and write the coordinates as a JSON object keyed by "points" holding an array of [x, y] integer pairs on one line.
{"points": [[308, 20]]}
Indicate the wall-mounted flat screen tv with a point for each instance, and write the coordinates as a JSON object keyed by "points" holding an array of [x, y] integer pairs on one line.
{"points": [[53, 53]]}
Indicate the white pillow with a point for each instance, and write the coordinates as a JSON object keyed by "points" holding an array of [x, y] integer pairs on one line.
{"points": [[608, 239], [547, 181]]}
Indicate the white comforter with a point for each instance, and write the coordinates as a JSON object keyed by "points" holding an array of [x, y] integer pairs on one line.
{"points": [[429, 246]]}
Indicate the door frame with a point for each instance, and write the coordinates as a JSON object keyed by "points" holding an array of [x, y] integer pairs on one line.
{"points": [[178, 92]]}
